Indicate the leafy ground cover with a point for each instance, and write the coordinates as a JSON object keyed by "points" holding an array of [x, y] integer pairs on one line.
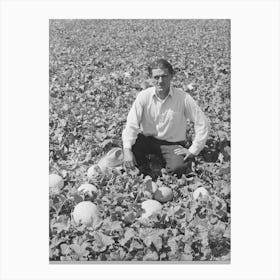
{"points": [[96, 68]]}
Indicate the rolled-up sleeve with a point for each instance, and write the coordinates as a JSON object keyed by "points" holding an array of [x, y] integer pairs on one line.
{"points": [[132, 127], [201, 124]]}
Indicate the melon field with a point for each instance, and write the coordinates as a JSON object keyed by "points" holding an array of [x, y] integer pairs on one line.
{"points": [[96, 69]]}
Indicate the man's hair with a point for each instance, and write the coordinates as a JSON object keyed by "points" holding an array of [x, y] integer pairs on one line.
{"points": [[160, 63]]}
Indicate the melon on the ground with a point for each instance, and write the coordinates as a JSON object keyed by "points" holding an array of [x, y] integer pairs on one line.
{"points": [[163, 194], [86, 213], [200, 192], [87, 189], [150, 207], [56, 183]]}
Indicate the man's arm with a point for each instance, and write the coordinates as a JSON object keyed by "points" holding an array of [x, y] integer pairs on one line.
{"points": [[132, 128], [201, 124]]}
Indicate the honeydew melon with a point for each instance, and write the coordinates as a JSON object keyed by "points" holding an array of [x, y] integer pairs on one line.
{"points": [[150, 207], [200, 192], [87, 189], [86, 213], [163, 194], [56, 183]]}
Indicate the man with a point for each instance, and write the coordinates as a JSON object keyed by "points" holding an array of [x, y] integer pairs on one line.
{"points": [[156, 124]]}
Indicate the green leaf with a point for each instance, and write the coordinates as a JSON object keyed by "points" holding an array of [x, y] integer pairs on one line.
{"points": [[225, 189], [77, 198], [186, 257], [130, 217], [154, 239], [128, 235], [135, 245], [80, 250], [60, 227], [65, 249], [190, 213], [174, 210], [101, 242], [118, 255], [150, 256], [184, 191], [172, 243], [152, 236], [111, 226]]}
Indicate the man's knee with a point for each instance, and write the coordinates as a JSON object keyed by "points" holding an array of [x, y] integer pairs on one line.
{"points": [[178, 166], [173, 166], [173, 162]]}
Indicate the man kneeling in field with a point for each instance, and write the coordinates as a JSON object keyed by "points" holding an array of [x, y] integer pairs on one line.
{"points": [[156, 124]]}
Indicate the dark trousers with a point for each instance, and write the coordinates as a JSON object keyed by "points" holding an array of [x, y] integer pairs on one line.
{"points": [[148, 145]]}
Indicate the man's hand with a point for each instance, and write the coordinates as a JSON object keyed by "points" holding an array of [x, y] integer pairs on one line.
{"points": [[183, 151], [128, 158]]}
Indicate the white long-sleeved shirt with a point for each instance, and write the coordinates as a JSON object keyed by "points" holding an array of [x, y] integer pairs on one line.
{"points": [[165, 119]]}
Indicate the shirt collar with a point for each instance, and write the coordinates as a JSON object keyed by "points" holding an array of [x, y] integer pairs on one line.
{"points": [[171, 91]]}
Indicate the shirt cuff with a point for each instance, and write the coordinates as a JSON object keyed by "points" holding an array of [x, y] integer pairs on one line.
{"points": [[127, 145], [194, 150]]}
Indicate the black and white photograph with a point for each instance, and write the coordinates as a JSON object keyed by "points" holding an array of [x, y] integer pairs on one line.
{"points": [[140, 140]]}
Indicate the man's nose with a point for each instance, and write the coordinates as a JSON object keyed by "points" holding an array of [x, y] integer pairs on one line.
{"points": [[160, 79]]}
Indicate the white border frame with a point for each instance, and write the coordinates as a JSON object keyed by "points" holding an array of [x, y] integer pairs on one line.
{"points": [[24, 138]]}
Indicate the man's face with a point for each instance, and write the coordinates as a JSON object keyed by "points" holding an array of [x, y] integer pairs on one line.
{"points": [[162, 79]]}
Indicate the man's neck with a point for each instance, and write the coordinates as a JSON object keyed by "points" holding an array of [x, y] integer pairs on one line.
{"points": [[162, 95]]}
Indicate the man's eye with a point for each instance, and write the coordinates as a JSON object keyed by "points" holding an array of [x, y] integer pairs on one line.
{"points": [[157, 77]]}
